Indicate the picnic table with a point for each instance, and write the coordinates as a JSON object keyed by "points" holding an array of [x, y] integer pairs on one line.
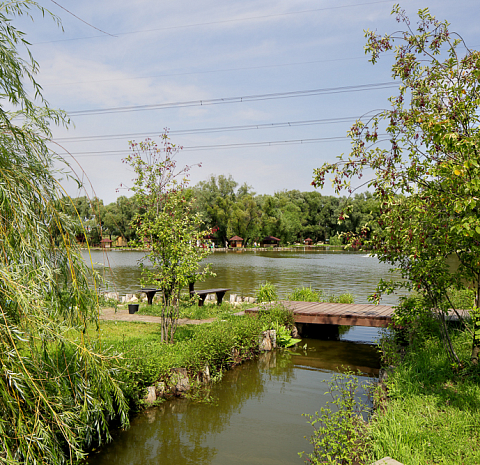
{"points": [[202, 294], [150, 291]]}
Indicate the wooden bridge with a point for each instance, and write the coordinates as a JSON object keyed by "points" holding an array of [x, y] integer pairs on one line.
{"points": [[323, 313]]}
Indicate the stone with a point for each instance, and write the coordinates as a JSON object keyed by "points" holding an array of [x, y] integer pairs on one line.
{"points": [[160, 389], [151, 395], [295, 334], [239, 299], [268, 340], [179, 380], [251, 300], [233, 298]]}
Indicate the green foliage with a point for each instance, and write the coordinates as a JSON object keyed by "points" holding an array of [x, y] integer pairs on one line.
{"points": [[339, 430], [431, 415], [266, 292], [307, 294], [148, 360], [57, 395], [167, 226], [425, 175]]}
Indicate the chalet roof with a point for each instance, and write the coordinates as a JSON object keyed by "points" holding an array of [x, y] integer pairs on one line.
{"points": [[308, 239], [236, 238], [106, 239], [271, 238]]}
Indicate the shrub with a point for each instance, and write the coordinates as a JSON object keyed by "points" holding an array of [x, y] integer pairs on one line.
{"points": [[266, 293]]}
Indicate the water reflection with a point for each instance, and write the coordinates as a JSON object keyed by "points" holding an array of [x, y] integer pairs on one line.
{"points": [[255, 416]]}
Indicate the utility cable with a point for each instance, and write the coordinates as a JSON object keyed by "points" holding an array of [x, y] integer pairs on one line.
{"points": [[246, 98]]}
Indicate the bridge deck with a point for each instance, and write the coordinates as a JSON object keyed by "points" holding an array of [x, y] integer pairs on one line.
{"points": [[379, 316]]}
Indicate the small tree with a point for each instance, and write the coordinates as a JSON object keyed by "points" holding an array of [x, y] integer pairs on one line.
{"points": [[166, 225], [426, 165]]}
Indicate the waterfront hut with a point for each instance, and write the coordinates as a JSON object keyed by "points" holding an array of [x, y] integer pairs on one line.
{"points": [[308, 241], [270, 241], [106, 243], [235, 242], [120, 241]]}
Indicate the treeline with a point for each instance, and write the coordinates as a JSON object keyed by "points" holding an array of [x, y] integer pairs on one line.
{"points": [[230, 209]]}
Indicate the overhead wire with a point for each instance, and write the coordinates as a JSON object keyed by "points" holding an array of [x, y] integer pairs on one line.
{"points": [[246, 127], [219, 146], [225, 100], [225, 21]]}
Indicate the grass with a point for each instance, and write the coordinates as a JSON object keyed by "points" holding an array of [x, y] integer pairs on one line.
{"points": [[307, 294], [145, 361], [194, 312], [432, 415]]}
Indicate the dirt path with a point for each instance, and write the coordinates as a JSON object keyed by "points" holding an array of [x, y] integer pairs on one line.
{"points": [[123, 315]]}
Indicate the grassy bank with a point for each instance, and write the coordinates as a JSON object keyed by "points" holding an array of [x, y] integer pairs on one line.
{"points": [[431, 415], [218, 345]]}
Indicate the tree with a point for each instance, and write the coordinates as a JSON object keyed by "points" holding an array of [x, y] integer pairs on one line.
{"points": [[426, 166], [167, 225], [57, 392]]}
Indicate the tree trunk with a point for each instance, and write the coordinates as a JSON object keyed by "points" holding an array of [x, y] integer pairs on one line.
{"points": [[476, 325]]}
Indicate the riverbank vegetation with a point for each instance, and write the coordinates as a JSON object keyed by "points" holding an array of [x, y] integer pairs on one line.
{"points": [[146, 361], [425, 175], [228, 210]]}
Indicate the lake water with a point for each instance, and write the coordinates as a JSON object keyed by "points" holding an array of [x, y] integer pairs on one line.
{"points": [[256, 412], [243, 272]]}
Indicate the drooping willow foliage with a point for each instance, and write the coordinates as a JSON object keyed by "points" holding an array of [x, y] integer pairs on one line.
{"points": [[57, 388]]}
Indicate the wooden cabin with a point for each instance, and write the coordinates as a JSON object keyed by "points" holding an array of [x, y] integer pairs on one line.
{"points": [[120, 241], [235, 242], [270, 241]]}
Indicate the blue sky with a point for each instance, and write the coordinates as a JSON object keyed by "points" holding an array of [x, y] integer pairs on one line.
{"points": [[158, 52]]}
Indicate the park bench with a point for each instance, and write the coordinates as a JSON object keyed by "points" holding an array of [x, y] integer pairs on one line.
{"points": [[202, 294], [150, 291]]}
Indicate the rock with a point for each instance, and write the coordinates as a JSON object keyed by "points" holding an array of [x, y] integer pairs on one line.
{"points": [[111, 295], [233, 298], [239, 299], [204, 375], [295, 333], [122, 299], [151, 395], [160, 389], [268, 340], [251, 300], [179, 380], [129, 297]]}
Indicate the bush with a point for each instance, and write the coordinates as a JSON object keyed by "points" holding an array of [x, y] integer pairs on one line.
{"points": [[266, 293]]}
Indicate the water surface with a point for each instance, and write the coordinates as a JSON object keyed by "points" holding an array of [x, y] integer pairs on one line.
{"points": [[254, 416]]}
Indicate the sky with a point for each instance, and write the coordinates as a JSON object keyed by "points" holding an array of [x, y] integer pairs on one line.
{"points": [[261, 90]]}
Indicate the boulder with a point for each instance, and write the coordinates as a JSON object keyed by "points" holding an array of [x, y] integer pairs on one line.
{"points": [[151, 396], [268, 340], [179, 380], [233, 298]]}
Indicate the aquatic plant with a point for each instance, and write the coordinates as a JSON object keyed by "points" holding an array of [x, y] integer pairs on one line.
{"points": [[266, 292]]}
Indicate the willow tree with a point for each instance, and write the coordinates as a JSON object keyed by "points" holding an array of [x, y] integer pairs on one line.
{"points": [[423, 156], [57, 393]]}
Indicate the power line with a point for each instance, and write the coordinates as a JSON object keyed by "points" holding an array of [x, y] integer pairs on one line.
{"points": [[246, 98], [80, 19], [225, 21], [246, 127], [220, 146]]}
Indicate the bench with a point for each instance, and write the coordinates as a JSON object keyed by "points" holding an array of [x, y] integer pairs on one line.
{"points": [[202, 294], [150, 291]]}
